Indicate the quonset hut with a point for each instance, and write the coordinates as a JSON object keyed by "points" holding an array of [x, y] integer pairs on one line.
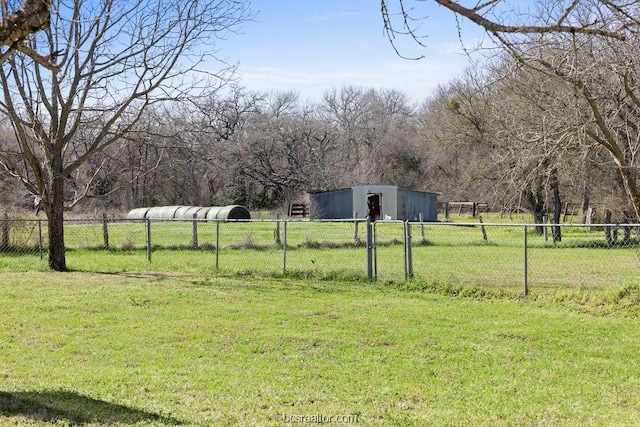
{"points": [[231, 212], [375, 201]]}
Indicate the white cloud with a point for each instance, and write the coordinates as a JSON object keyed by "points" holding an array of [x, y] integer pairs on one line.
{"points": [[310, 84], [417, 79]]}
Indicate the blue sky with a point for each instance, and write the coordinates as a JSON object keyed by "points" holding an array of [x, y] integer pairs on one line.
{"points": [[311, 46]]}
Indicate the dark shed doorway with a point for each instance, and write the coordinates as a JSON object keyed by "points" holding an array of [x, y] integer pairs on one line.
{"points": [[374, 203]]}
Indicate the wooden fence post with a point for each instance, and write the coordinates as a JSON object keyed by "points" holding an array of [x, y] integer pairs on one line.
{"points": [[607, 228], [105, 231], [194, 231], [356, 238], [276, 232], [484, 231]]}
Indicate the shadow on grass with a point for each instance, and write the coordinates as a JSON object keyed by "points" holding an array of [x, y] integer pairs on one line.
{"points": [[55, 406]]}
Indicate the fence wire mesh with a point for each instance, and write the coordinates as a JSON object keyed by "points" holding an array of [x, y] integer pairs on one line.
{"points": [[469, 254], [21, 236], [507, 256]]}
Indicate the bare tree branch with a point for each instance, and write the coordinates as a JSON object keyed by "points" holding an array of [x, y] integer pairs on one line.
{"points": [[615, 20], [33, 16], [477, 17]]}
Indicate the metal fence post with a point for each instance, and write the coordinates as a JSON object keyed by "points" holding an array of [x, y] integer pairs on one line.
{"points": [[148, 240], [409, 252], [526, 261], [217, 244], [404, 249], [375, 252], [284, 249], [40, 248], [369, 249]]}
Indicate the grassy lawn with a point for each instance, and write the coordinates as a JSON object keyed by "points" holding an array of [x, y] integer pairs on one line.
{"points": [[150, 348]]}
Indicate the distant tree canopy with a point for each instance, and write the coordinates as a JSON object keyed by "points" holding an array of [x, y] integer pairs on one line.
{"points": [[491, 135]]}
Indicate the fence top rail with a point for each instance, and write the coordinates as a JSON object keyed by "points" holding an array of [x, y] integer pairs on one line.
{"points": [[268, 220], [345, 220], [529, 225]]}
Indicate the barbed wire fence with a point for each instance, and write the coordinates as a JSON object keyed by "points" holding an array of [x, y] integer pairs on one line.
{"points": [[465, 255]]}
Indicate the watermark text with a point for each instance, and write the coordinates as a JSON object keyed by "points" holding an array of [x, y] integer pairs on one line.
{"points": [[320, 419]]}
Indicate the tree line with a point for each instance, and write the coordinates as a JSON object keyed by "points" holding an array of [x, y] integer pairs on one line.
{"points": [[498, 134]]}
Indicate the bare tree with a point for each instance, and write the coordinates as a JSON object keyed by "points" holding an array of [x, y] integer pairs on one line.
{"points": [[284, 149], [113, 60], [589, 46], [458, 136], [217, 124], [370, 123]]}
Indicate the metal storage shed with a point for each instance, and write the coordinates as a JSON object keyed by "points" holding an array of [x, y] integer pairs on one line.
{"points": [[376, 201]]}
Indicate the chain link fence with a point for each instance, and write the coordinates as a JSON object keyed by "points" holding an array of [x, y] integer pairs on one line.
{"points": [[21, 236], [513, 257]]}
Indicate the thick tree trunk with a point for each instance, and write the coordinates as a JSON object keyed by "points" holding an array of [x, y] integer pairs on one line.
{"points": [[557, 205], [584, 208], [55, 221], [538, 218], [608, 236], [631, 188], [535, 203], [627, 230], [586, 191]]}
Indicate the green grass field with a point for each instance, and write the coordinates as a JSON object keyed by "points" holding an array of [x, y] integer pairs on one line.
{"points": [[182, 349]]}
